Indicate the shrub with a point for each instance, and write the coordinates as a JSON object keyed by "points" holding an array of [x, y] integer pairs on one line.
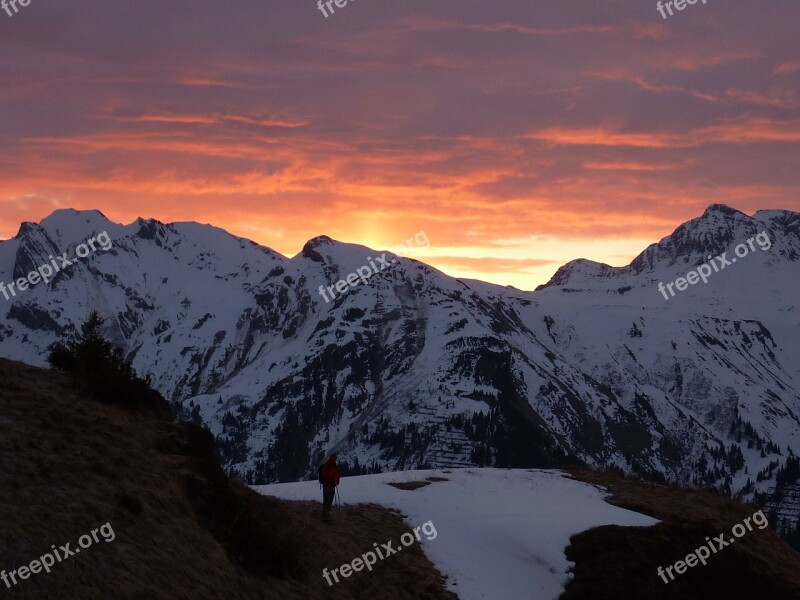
{"points": [[101, 368]]}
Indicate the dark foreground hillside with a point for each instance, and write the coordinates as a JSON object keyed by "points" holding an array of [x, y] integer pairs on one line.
{"points": [[621, 562], [70, 464]]}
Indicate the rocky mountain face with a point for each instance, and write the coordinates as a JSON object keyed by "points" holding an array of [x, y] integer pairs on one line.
{"points": [[630, 367]]}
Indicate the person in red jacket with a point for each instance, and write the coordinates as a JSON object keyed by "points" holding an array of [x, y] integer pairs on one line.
{"points": [[329, 478]]}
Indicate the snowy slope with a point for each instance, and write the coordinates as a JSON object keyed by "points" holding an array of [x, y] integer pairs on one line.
{"points": [[499, 533]]}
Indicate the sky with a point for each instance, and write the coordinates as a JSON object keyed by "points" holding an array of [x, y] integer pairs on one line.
{"points": [[518, 135]]}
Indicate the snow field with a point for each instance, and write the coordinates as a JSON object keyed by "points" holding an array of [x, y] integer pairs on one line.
{"points": [[501, 532]]}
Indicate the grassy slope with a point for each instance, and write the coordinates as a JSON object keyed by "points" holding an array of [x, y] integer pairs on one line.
{"points": [[615, 562], [68, 464]]}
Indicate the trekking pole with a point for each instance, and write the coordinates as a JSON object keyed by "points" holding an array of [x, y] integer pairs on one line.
{"points": [[338, 502]]}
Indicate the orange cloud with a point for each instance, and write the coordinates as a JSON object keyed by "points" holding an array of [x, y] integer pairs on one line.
{"points": [[733, 132], [627, 166], [597, 136], [214, 118], [787, 67]]}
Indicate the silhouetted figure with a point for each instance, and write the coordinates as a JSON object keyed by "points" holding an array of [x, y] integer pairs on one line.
{"points": [[329, 478]]}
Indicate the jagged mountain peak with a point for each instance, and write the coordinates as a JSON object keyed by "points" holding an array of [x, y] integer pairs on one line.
{"points": [[716, 219], [341, 257], [579, 269], [719, 229], [64, 228], [70, 218], [311, 249], [722, 209], [61, 215], [320, 240], [27, 229]]}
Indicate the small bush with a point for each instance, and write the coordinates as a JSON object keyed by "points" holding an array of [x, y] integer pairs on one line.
{"points": [[101, 368]]}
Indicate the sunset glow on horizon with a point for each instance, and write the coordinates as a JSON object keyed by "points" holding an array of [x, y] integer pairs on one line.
{"points": [[518, 136]]}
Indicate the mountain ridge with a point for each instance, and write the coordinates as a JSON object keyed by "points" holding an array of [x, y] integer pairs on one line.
{"points": [[414, 368]]}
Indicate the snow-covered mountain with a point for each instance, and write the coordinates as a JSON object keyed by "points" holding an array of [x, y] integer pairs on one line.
{"points": [[416, 369]]}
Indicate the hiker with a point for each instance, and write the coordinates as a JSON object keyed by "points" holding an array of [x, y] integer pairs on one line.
{"points": [[329, 478]]}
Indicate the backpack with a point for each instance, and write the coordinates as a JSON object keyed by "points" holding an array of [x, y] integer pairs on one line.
{"points": [[320, 472]]}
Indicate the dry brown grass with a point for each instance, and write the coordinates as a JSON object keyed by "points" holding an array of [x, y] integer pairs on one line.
{"points": [[68, 464], [407, 574], [611, 559]]}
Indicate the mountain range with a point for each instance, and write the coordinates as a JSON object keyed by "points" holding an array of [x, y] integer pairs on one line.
{"points": [[415, 369]]}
